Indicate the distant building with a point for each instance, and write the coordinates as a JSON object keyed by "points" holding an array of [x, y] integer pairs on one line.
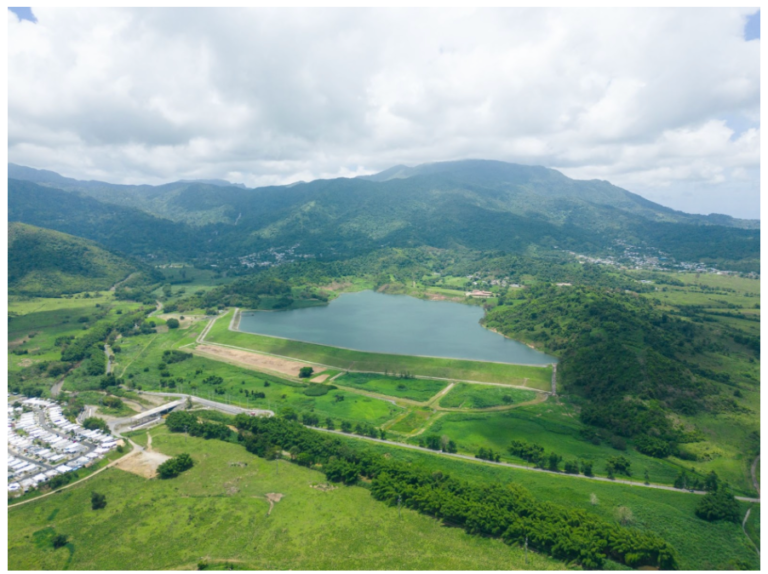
{"points": [[476, 293], [563, 284]]}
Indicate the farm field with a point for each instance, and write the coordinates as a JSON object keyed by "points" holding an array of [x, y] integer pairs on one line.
{"points": [[534, 377], [217, 512], [700, 545]]}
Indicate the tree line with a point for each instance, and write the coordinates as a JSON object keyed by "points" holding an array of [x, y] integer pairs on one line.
{"points": [[508, 512]]}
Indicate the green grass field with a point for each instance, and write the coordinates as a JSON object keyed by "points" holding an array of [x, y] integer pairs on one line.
{"points": [[143, 355], [414, 420], [217, 511], [379, 362], [700, 545], [468, 396], [415, 389], [36, 323], [554, 427]]}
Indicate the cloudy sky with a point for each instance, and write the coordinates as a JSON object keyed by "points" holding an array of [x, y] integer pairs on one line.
{"points": [[665, 103]]}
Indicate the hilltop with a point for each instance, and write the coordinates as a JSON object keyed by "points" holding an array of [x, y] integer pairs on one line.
{"points": [[45, 262], [475, 204]]}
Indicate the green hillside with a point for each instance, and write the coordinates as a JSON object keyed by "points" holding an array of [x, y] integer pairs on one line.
{"points": [[475, 204], [43, 262]]}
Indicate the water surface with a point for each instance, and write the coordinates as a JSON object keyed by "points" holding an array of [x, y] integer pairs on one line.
{"points": [[398, 324]]}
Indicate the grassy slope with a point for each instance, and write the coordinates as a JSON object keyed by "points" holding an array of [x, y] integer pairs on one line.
{"points": [[484, 396], [551, 425], [218, 511], [700, 545], [380, 362], [414, 389]]}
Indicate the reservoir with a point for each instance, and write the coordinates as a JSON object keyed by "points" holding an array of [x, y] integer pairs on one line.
{"points": [[398, 324]]}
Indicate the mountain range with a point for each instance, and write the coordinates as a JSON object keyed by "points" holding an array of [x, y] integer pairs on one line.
{"points": [[475, 204]]}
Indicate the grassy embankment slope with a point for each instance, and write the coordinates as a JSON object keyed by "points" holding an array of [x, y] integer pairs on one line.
{"points": [[217, 511], [534, 377]]}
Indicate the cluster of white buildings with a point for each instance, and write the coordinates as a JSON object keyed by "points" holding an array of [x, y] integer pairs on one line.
{"points": [[42, 443]]}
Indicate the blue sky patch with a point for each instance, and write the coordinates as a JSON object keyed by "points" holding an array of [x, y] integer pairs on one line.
{"points": [[752, 28], [24, 14]]}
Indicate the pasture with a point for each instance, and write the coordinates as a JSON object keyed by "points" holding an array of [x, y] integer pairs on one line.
{"points": [[700, 545], [217, 512]]}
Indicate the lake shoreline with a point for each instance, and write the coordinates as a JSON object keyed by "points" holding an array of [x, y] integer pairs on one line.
{"points": [[410, 327]]}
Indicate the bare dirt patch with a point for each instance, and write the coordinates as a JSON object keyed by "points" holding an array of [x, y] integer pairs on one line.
{"points": [[144, 463], [253, 360], [323, 487], [320, 379], [17, 342], [272, 498], [25, 362]]}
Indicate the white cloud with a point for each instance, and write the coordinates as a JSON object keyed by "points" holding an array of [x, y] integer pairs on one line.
{"points": [[638, 97]]}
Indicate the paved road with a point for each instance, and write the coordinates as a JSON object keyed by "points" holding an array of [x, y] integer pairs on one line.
{"points": [[230, 409], [522, 467]]}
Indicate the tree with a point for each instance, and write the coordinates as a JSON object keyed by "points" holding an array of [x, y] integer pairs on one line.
{"points": [[346, 426], [553, 461], [96, 423], [175, 466], [719, 504], [172, 323], [306, 372], [586, 467], [60, 540], [624, 515], [98, 501], [433, 442], [711, 482], [329, 424]]}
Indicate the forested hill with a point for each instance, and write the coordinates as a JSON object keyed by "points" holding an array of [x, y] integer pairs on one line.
{"points": [[633, 362], [480, 205], [44, 262]]}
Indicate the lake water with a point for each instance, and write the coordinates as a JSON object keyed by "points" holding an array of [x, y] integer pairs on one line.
{"points": [[370, 321]]}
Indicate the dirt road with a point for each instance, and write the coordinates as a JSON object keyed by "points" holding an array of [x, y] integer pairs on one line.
{"points": [[523, 467], [755, 482]]}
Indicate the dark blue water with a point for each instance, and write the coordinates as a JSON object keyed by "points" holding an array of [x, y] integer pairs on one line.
{"points": [[369, 321]]}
